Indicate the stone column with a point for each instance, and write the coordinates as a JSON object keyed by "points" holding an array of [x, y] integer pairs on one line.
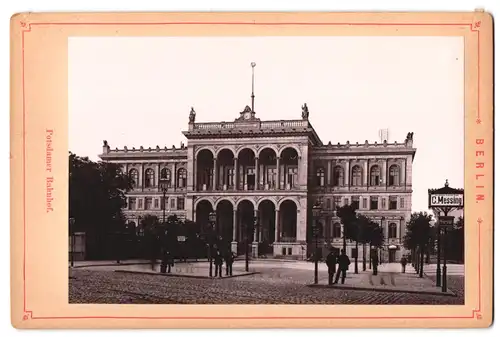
{"points": [[195, 174], [257, 173], [366, 174], [236, 173], [329, 173], [347, 173], [214, 183], [277, 226], [278, 173], [234, 243], [174, 176]]}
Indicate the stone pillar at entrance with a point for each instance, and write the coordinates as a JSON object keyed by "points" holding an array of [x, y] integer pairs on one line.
{"points": [[234, 243]]}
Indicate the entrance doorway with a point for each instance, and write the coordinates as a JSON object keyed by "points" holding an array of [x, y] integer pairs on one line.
{"points": [[392, 255]]}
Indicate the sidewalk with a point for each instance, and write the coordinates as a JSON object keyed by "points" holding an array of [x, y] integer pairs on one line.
{"points": [[192, 270], [389, 279]]}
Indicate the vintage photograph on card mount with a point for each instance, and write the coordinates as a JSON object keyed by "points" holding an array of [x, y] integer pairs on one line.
{"points": [[334, 165]]}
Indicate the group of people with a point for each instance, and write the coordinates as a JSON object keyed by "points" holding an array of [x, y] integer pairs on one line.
{"points": [[343, 265], [220, 258]]}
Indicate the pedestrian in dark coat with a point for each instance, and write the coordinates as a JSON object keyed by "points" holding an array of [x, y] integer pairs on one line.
{"points": [[375, 262], [229, 263], [218, 260], [403, 264], [331, 262], [167, 261], [344, 263]]}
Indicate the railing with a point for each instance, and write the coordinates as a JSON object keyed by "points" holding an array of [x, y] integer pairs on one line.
{"points": [[287, 239], [253, 124]]}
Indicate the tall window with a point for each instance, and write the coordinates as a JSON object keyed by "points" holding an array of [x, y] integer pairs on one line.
{"points": [[166, 175], [402, 203], [149, 203], [373, 203], [328, 203], [355, 202], [180, 203], [157, 203], [393, 202], [292, 176], [320, 177], [150, 178], [132, 203], [337, 201], [271, 177], [392, 230], [230, 176], [393, 175], [337, 230], [375, 175], [365, 202], [181, 178], [338, 176], [357, 179], [140, 203], [134, 177], [172, 203], [164, 203]]}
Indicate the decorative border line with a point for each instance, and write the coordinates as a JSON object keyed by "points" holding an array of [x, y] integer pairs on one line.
{"points": [[28, 314]]}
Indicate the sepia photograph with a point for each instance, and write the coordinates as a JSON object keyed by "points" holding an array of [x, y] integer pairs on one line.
{"points": [[266, 170]]}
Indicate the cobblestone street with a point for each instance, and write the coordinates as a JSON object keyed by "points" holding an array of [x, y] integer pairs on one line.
{"points": [[272, 286]]}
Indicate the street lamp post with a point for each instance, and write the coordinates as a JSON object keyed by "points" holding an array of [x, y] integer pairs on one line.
{"points": [[438, 265], [444, 285], [249, 232], [212, 218], [316, 212], [72, 240], [164, 188]]}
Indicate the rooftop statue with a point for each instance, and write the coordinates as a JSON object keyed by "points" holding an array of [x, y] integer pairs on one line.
{"points": [[192, 115], [305, 111]]}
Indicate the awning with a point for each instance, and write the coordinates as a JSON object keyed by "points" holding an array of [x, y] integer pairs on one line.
{"points": [[393, 247]]}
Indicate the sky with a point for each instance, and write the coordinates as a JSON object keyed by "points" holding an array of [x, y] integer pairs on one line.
{"points": [[134, 91]]}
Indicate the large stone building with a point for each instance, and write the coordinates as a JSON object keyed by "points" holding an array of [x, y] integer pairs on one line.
{"points": [[275, 171]]}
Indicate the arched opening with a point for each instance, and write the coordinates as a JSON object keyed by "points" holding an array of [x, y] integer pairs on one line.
{"points": [[166, 176], [393, 229], [245, 214], [393, 175], [134, 177], [266, 226], [357, 179], [288, 221], [149, 180], [203, 210], [375, 175], [267, 161], [320, 177], [225, 170], [290, 160], [246, 167], [204, 170], [338, 176], [224, 226]]}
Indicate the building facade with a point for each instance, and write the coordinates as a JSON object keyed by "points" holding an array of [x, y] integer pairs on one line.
{"points": [[272, 171]]}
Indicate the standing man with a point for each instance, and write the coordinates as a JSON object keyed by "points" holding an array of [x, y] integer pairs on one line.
{"points": [[229, 263], [331, 262], [375, 262], [403, 264], [344, 263], [218, 263]]}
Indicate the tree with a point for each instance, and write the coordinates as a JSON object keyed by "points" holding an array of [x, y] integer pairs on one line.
{"points": [[347, 215], [375, 236], [418, 236], [455, 241], [363, 235], [96, 199]]}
